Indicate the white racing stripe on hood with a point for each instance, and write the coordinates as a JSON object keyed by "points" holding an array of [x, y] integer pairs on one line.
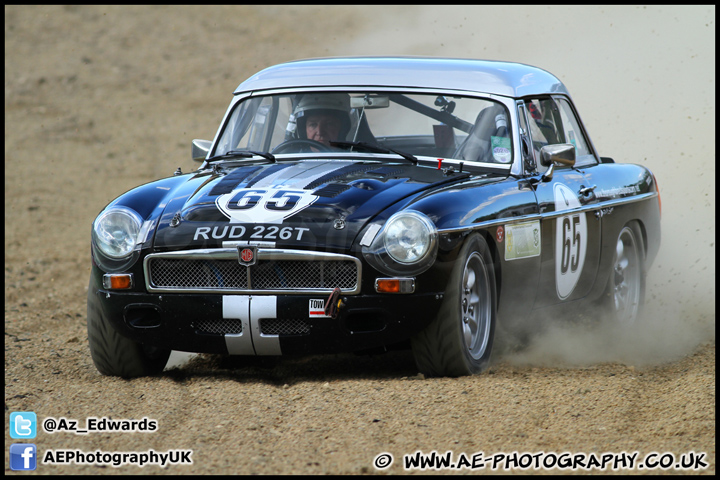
{"points": [[301, 174]]}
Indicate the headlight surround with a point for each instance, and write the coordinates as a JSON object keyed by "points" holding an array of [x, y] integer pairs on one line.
{"points": [[408, 237], [115, 232], [407, 244]]}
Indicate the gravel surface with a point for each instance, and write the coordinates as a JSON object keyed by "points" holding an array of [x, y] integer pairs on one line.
{"points": [[101, 99]]}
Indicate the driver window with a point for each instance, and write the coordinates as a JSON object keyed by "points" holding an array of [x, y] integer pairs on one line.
{"points": [[573, 133], [544, 125]]}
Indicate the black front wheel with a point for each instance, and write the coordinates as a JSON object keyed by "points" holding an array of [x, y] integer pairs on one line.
{"points": [[459, 341], [119, 356]]}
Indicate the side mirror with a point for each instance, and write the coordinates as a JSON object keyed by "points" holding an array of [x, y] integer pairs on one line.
{"points": [[562, 154], [559, 154], [200, 149]]}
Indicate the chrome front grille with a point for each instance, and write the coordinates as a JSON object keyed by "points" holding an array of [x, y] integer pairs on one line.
{"points": [[276, 271], [292, 274], [189, 273]]}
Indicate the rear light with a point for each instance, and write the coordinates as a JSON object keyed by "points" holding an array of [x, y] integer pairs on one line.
{"points": [[657, 187]]}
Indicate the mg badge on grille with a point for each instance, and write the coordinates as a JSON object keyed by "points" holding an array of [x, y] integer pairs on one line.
{"points": [[247, 255]]}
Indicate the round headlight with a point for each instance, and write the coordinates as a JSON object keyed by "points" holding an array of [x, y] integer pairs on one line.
{"points": [[409, 236], [115, 232]]}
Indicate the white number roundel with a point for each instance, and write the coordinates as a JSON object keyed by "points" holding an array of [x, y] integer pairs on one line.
{"points": [[570, 241], [263, 205]]}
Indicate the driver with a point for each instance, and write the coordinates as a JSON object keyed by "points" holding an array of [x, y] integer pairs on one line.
{"points": [[323, 117]]}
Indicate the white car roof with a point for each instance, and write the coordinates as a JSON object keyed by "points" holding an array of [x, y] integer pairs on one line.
{"points": [[484, 76]]}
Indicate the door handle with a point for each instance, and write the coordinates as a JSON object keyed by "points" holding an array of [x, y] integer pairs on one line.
{"points": [[586, 191]]}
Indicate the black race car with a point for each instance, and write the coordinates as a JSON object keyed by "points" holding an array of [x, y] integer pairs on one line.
{"points": [[352, 204]]}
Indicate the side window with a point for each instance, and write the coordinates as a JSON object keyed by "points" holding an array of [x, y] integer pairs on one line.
{"points": [[544, 124], [573, 132]]}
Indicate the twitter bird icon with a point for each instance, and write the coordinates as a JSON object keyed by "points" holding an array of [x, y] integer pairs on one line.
{"points": [[23, 425]]}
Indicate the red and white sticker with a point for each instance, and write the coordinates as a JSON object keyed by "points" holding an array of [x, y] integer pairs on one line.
{"points": [[500, 234], [317, 308]]}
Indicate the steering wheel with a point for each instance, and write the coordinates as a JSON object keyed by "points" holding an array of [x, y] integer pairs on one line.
{"points": [[301, 145]]}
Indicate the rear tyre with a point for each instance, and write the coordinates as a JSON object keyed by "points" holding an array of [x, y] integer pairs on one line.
{"points": [[115, 355], [625, 293], [459, 341]]}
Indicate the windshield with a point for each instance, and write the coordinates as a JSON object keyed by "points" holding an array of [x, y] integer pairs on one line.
{"points": [[441, 126]]}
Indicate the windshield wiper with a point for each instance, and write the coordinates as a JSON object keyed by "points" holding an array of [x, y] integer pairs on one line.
{"points": [[376, 148], [243, 154]]}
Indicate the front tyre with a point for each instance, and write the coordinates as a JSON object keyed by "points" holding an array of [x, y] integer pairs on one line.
{"points": [[459, 340], [119, 356]]}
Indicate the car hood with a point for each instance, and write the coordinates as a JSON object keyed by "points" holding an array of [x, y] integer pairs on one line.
{"points": [[311, 203]]}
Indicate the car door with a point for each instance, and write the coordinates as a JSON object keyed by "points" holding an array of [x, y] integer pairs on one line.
{"points": [[570, 230]]}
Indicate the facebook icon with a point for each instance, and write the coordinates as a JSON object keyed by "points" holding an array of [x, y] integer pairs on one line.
{"points": [[23, 456]]}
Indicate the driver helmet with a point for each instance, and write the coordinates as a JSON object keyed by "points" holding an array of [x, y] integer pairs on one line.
{"points": [[336, 104]]}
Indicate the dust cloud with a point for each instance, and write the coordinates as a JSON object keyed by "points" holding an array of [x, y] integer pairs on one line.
{"points": [[643, 80]]}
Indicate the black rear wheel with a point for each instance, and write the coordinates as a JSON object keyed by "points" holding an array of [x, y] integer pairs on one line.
{"points": [[625, 293]]}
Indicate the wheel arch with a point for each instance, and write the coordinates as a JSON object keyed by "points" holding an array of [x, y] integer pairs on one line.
{"points": [[643, 234]]}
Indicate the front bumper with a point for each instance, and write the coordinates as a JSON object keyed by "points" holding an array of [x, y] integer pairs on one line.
{"points": [[263, 324]]}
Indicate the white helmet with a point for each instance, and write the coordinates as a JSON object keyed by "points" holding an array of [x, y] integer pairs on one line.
{"points": [[336, 104]]}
